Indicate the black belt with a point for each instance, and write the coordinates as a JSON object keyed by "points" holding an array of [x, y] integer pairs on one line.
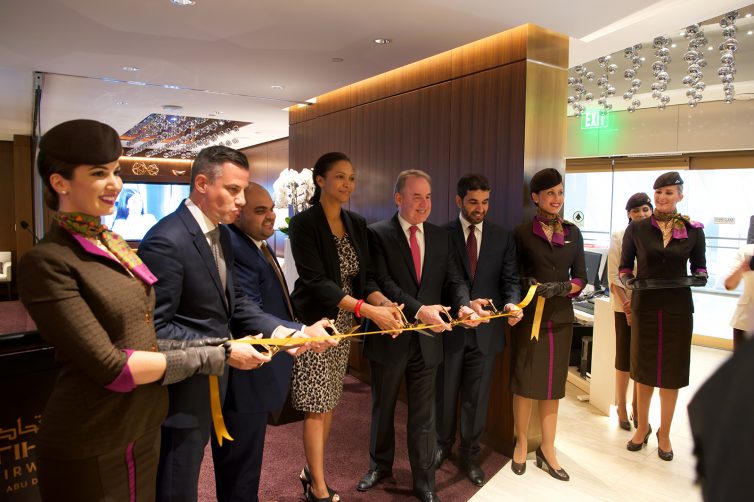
{"points": [[676, 282]]}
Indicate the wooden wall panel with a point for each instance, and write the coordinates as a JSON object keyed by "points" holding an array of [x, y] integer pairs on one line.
{"points": [[496, 50], [7, 199], [23, 186]]}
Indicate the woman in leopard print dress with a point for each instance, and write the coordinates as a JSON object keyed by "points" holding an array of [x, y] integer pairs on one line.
{"points": [[331, 251]]}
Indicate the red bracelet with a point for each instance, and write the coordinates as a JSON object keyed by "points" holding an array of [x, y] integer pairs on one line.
{"points": [[357, 308]]}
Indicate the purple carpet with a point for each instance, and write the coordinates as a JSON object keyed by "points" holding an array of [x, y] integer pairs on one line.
{"points": [[347, 459]]}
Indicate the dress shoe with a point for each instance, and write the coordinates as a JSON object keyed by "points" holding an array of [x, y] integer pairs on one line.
{"points": [[667, 456], [517, 468], [631, 446], [427, 496], [441, 454], [371, 478], [473, 471], [542, 463]]}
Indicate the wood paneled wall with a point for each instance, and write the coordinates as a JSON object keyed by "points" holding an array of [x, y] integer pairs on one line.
{"points": [[495, 106]]}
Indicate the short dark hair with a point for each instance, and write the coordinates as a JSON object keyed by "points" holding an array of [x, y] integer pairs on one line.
{"points": [[210, 160], [121, 210], [400, 182], [472, 182], [324, 164], [46, 167]]}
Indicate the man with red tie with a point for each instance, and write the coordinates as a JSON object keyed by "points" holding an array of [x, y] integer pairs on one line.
{"points": [[415, 265], [486, 256]]}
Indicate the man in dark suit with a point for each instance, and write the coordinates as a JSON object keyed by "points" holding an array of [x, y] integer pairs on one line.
{"points": [[196, 296], [486, 255], [414, 264], [252, 395]]}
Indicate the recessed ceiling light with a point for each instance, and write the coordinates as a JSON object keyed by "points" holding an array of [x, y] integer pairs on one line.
{"points": [[674, 45], [748, 14], [750, 32], [382, 41], [682, 33], [183, 3], [121, 102], [172, 108], [337, 60], [643, 58], [277, 87], [171, 86], [131, 68]]}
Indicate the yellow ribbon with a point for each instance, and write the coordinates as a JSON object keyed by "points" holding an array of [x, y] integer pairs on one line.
{"points": [[537, 317], [217, 411], [271, 344]]}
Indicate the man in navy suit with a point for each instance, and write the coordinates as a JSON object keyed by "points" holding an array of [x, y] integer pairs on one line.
{"points": [[414, 266], [253, 394], [486, 255], [196, 296]]}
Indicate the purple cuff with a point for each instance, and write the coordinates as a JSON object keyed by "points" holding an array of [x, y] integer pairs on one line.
{"points": [[125, 381], [580, 284], [625, 270], [703, 270]]}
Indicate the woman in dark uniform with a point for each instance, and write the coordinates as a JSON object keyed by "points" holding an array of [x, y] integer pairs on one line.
{"points": [[92, 298], [662, 319], [550, 253], [329, 244], [638, 207]]}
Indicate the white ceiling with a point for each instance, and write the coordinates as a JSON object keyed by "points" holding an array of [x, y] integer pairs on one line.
{"points": [[238, 49]]}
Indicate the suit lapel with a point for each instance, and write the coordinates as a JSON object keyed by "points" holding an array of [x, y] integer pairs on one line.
{"points": [[202, 247], [457, 233]]}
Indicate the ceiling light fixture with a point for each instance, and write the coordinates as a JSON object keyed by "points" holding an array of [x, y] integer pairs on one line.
{"points": [[121, 102], [131, 68], [710, 48], [750, 32], [382, 41], [172, 108], [337, 60], [748, 14], [183, 3], [277, 87]]}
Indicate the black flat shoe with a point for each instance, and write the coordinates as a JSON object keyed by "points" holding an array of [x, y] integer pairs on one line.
{"points": [[542, 463], [518, 469], [667, 456], [631, 446]]}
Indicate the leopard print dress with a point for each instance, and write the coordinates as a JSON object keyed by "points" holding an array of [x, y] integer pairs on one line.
{"points": [[317, 382]]}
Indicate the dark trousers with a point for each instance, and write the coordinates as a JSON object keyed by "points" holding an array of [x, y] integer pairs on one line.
{"points": [[238, 463], [466, 375], [124, 474], [181, 453], [420, 388]]}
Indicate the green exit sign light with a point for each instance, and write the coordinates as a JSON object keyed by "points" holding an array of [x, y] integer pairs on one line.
{"points": [[594, 119]]}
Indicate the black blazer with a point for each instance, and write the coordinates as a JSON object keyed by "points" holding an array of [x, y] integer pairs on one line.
{"points": [[190, 303], [548, 262], [394, 270], [496, 278], [265, 388], [317, 290]]}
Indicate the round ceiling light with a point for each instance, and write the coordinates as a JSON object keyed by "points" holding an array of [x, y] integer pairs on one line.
{"points": [[183, 3], [382, 41], [172, 108], [277, 87], [131, 68]]}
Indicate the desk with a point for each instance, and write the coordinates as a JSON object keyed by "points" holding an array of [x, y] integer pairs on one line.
{"points": [[602, 388]]}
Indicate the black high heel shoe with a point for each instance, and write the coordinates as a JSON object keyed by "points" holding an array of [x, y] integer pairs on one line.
{"points": [[518, 469], [631, 446], [542, 463], [305, 478], [332, 496], [667, 456]]}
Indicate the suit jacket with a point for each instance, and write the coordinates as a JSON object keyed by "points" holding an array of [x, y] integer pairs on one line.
{"points": [[87, 306], [265, 388], [191, 303], [496, 278], [394, 270], [317, 291]]}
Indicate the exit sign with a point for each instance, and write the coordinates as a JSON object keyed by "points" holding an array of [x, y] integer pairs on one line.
{"points": [[594, 119]]}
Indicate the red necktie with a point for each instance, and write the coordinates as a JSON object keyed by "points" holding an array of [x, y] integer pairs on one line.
{"points": [[415, 252], [471, 249]]}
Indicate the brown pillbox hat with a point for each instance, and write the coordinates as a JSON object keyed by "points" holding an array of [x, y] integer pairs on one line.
{"points": [[82, 141]]}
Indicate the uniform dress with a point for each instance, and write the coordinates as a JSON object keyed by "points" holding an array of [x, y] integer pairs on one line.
{"points": [[662, 319], [318, 377], [540, 366], [622, 329], [99, 440]]}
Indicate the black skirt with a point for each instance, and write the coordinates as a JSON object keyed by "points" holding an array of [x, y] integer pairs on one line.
{"points": [[622, 342], [661, 348], [540, 367]]}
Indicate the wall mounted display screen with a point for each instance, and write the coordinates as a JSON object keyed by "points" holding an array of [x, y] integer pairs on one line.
{"points": [[141, 205]]}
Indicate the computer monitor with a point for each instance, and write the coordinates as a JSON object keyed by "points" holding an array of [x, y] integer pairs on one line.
{"points": [[593, 262]]}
